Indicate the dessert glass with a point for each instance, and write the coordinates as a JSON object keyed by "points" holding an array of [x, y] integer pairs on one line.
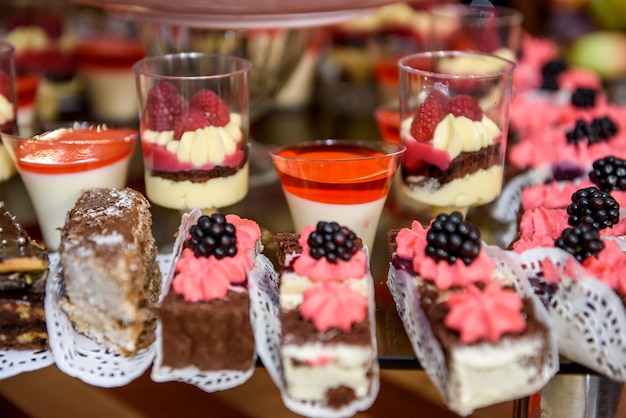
{"points": [[495, 30], [194, 126], [8, 105], [345, 181], [56, 162], [454, 117]]}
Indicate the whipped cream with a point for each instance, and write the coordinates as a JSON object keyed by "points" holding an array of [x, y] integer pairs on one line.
{"points": [[460, 134], [476, 64], [209, 145]]}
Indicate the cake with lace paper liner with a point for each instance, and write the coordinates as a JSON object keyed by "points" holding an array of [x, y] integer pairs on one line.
{"points": [[204, 331], [481, 334], [551, 186], [585, 298], [321, 346], [99, 327]]}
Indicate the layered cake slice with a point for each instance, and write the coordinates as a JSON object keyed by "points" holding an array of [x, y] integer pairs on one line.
{"points": [[23, 273], [327, 347], [480, 337], [111, 274], [205, 315]]}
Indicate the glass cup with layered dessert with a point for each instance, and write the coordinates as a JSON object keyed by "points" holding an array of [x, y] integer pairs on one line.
{"points": [[489, 29], [346, 181], [454, 117], [8, 104], [194, 123], [58, 161]]}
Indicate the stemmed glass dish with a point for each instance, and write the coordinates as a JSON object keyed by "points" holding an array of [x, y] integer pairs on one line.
{"points": [[8, 104], [194, 128], [346, 181], [454, 116]]}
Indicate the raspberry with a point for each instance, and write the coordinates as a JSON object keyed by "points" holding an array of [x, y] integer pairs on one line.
{"points": [[190, 120], [163, 106], [216, 109], [428, 115], [464, 105]]}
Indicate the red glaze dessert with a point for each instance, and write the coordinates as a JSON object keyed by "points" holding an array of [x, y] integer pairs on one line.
{"points": [[205, 315], [494, 342], [195, 154]]}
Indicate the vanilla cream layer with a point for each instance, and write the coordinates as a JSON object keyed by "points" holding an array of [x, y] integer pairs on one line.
{"points": [[215, 193], [53, 195], [484, 374], [338, 365], [362, 218], [476, 188]]}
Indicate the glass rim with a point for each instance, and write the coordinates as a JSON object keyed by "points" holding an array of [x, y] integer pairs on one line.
{"points": [[504, 15], [46, 129], [390, 149], [402, 64], [143, 65]]}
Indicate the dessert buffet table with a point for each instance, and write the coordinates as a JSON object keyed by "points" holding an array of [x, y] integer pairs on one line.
{"points": [[265, 203]]}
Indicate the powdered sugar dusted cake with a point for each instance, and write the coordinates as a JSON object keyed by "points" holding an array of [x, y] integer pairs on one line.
{"points": [[479, 338], [328, 347], [108, 256]]}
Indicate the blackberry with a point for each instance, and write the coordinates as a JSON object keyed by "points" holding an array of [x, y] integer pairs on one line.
{"points": [[583, 97], [332, 241], [581, 241], [604, 127], [450, 238], [550, 73], [565, 171], [600, 129], [593, 207], [212, 235], [609, 173]]}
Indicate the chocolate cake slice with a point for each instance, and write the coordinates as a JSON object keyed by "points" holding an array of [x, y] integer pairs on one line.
{"points": [[23, 273], [334, 364]]}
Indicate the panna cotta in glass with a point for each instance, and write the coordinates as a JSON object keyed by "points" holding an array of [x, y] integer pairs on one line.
{"points": [[57, 165], [345, 181]]}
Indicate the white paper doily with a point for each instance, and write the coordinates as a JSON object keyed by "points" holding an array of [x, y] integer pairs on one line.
{"points": [[14, 362], [588, 317], [427, 348], [263, 282], [205, 380], [81, 357]]}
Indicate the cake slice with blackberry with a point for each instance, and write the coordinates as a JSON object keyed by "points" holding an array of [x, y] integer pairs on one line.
{"points": [[482, 336], [108, 256], [328, 349], [23, 273], [205, 315]]}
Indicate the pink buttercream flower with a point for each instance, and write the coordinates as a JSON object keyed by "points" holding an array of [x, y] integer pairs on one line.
{"points": [[609, 266], [330, 305], [485, 315], [193, 281]]}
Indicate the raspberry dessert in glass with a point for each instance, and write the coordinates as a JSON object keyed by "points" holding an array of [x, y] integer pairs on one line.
{"points": [[56, 165], [454, 122], [194, 129]]}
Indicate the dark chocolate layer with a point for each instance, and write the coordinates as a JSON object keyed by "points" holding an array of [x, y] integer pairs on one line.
{"points": [[201, 176], [214, 335], [297, 330], [464, 164], [22, 321]]}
